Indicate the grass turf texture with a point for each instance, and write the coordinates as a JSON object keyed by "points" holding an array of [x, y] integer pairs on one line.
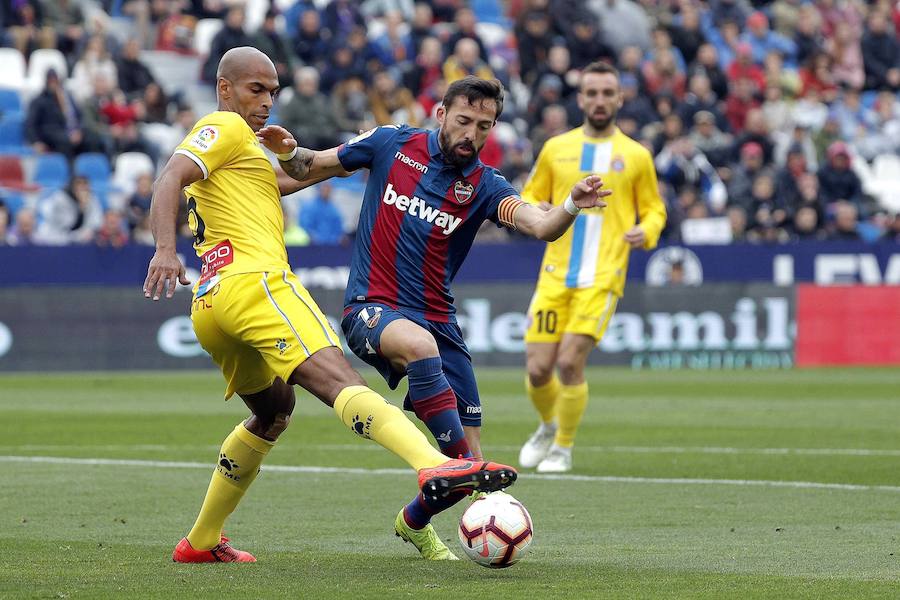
{"points": [[107, 530]]}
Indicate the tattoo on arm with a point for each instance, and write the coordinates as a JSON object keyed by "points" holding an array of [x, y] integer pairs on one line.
{"points": [[299, 166]]}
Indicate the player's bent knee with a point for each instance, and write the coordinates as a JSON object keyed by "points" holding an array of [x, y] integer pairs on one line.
{"points": [[539, 372], [571, 369], [420, 347], [278, 425]]}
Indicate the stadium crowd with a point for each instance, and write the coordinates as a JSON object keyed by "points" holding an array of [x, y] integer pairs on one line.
{"points": [[769, 121]]}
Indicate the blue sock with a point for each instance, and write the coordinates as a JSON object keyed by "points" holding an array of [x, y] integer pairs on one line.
{"points": [[435, 404], [418, 513]]}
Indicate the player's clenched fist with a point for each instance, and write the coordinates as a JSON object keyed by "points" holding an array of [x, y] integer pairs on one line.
{"points": [[588, 192], [164, 273]]}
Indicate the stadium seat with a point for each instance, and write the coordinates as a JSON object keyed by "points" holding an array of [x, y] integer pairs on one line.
{"points": [[12, 134], [885, 182], [129, 165], [94, 166], [10, 102], [204, 33], [14, 201], [12, 174], [51, 171], [489, 11], [41, 61], [492, 34], [12, 75], [256, 13]]}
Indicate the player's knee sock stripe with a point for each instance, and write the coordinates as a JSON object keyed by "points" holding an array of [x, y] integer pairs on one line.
{"points": [[435, 404]]}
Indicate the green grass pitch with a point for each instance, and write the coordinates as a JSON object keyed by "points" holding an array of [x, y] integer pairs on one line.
{"points": [[687, 485]]}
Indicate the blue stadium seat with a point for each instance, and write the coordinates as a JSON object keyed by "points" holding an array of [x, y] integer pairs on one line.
{"points": [[51, 171], [94, 166], [489, 11], [10, 102], [14, 201], [12, 134]]}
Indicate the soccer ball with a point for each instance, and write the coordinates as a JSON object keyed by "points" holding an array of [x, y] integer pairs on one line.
{"points": [[496, 531]]}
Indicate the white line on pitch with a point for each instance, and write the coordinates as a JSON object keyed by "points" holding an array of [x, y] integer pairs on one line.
{"points": [[116, 462], [601, 449]]}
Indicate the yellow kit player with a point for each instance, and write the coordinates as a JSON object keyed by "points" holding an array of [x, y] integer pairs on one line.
{"points": [[252, 315], [583, 273]]}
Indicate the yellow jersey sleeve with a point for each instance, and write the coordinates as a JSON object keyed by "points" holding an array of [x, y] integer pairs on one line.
{"points": [[539, 187], [214, 141], [650, 207]]}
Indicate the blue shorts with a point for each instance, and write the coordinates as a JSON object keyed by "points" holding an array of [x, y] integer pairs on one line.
{"points": [[362, 326]]}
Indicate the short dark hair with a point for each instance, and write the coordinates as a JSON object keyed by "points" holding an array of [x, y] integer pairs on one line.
{"points": [[599, 66], [475, 89]]}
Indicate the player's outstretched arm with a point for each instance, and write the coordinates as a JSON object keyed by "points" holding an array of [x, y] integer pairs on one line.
{"points": [[301, 164], [165, 269], [548, 225]]}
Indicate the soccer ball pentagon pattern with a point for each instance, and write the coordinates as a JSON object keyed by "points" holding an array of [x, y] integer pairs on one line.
{"points": [[496, 531]]}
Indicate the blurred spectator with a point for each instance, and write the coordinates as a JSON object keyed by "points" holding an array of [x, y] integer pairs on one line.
{"points": [[756, 129], [207, 9], [672, 129], [294, 235], [230, 36], [785, 14], [776, 74], [54, 122], [622, 23], [392, 103], [465, 61], [740, 182], [881, 53], [340, 17], [427, 67], [321, 219], [764, 200], [464, 22], [364, 52], [817, 76], [743, 67], [23, 20], [585, 44], [142, 234], [681, 164], [686, 33], [345, 65], [133, 75], [826, 136], [805, 225], [740, 103], [70, 216], [312, 41], [762, 40], [4, 224], [700, 97], [635, 105], [112, 232], [95, 61], [708, 64], [787, 179], [881, 132], [661, 76], [309, 114], [808, 36], [421, 26], [849, 113], [155, 104], [834, 12], [846, 52], [350, 103], [846, 222], [138, 205], [775, 109], [837, 180], [175, 31], [737, 221], [661, 41], [810, 111], [797, 139], [66, 17], [24, 229], [559, 64], [554, 121], [631, 60], [405, 9], [729, 11], [711, 140], [517, 163], [764, 229], [271, 43], [393, 47], [110, 117], [892, 233]]}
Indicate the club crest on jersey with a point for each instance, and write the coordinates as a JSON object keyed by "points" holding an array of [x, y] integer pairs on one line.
{"points": [[617, 164], [370, 316], [462, 191]]}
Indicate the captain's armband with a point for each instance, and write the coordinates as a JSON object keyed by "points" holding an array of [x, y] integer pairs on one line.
{"points": [[506, 212]]}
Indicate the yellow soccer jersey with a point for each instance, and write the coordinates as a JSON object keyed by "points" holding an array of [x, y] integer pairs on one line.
{"points": [[593, 252], [235, 210]]}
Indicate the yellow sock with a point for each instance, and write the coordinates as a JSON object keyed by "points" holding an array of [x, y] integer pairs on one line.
{"points": [[572, 402], [239, 460], [544, 397], [372, 417]]}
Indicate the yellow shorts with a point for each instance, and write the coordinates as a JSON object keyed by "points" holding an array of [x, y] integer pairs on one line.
{"points": [[556, 309], [258, 326]]}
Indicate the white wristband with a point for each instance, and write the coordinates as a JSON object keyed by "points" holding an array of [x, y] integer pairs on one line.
{"points": [[570, 207], [287, 155]]}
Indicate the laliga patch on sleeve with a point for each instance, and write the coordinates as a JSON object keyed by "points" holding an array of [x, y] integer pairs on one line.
{"points": [[204, 139]]}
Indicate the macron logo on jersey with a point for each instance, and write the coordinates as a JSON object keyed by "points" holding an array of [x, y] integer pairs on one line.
{"points": [[413, 163], [417, 207]]}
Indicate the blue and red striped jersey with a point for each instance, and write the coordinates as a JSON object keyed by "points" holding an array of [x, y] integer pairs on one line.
{"points": [[418, 220]]}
